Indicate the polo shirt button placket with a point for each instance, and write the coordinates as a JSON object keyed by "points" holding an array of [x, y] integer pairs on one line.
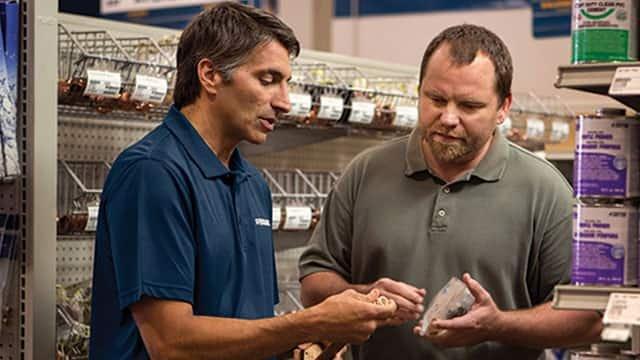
{"points": [[442, 213], [446, 190]]}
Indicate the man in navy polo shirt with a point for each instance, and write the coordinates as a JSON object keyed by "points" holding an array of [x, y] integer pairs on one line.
{"points": [[184, 263]]}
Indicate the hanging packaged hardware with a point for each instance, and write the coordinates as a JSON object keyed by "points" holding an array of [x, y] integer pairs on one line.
{"points": [[331, 107], [297, 218], [362, 110], [300, 104], [559, 131], [535, 128], [276, 217], [406, 116], [103, 83], [149, 89], [604, 31]]}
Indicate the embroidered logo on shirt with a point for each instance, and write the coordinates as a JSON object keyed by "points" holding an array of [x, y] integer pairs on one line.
{"points": [[263, 222]]}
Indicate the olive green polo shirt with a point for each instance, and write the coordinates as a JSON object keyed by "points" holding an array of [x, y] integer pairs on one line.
{"points": [[507, 223]]}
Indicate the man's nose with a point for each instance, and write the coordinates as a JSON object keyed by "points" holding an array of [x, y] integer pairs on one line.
{"points": [[449, 117], [281, 99]]}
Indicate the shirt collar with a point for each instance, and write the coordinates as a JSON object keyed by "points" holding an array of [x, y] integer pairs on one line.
{"points": [[490, 168], [200, 152]]}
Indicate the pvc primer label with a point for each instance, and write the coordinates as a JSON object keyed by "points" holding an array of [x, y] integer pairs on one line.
{"points": [[297, 218], [300, 104], [603, 31], [362, 112], [331, 107], [605, 245], [103, 83], [607, 157], [149, 89], [406, 116]]}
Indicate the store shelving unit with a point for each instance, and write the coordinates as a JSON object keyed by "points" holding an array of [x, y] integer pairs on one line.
{"points": [[595, 78], [571, 297]]}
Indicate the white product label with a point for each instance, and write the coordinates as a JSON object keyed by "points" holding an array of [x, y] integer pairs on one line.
{"points": [[330, 107], [535, 128], [298, 218], [362, 112], [622, 309], [505, 126], [103, 83], [276, 218], [626, 81], [406, 116], [300, 104], [92, 218], [149, 89], [559, 131]]}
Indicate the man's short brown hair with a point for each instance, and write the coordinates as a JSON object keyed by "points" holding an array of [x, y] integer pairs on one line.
{"points": [[227, 33]]}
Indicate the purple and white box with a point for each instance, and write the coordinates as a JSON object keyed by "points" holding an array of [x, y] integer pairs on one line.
{"points": [[607, 157], [605, 245]]}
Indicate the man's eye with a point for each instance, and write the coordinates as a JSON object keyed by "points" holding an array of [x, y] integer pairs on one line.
{"points": [[439, 101], [470, 106]]}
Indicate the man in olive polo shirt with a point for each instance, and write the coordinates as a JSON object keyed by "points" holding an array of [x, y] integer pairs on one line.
{"points": [[454, 197]]}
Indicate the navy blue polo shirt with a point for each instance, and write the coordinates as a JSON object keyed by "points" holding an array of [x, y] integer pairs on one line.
{"points": [[176, 224]]}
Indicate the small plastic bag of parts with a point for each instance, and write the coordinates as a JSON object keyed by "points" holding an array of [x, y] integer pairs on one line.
{"points": [[453, 300]]}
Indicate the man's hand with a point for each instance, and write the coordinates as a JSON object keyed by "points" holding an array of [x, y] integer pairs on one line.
{"points": [[351, 317], [408, 298], [478, 325]]}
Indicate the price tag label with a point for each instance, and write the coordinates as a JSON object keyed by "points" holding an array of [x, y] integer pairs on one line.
{"points": [[150, 89], [362, 112], [300, 104], [276, 217], [406, 116], [626, 81], [559, 130], [330, 107], [297, 218], [535, 128], [623, 309], [103, 83], [92, 218]]}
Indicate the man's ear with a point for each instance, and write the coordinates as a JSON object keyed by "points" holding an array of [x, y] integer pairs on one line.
{"points": [[503, 111], [210, 79]]}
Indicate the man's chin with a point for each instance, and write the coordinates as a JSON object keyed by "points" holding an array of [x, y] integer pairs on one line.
{"points": [[257, 140], [448, 154]]}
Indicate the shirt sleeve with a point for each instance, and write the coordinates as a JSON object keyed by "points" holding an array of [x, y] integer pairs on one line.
{"points": [[553, 256], [149, 224], [330, 246]]}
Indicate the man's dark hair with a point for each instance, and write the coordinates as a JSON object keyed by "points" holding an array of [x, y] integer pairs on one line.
{"points": [[465, 41], [226, 33]]}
